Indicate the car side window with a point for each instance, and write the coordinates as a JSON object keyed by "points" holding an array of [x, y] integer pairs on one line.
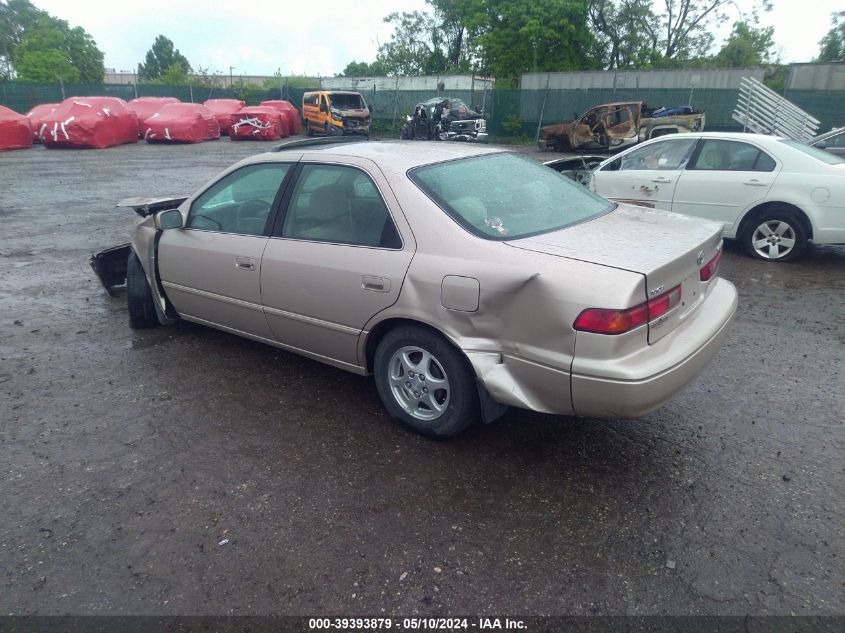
{"points": [[666, 155], [721, 155], [334, 203], [240, 202]]}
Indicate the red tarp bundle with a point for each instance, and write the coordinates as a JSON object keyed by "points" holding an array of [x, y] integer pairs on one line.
{"points": [[289, 110], [36, 118], [15, 132], [90, 122], [258, 124], [182, 123], [145, 107], [224, 110]]}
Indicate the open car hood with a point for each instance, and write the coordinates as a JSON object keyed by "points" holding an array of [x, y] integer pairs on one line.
{"points": [[145, 206]]}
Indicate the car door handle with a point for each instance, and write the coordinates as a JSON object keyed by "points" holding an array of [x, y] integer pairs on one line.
{"points": [[755, 183], [375, 284], [663, 180], [244, 263]]}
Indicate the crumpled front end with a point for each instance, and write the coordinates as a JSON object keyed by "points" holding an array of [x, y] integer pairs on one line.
{"points": [[469, 130]]}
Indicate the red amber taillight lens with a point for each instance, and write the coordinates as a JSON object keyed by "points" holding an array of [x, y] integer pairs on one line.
{"points": [[603, 321], [710, 268]]}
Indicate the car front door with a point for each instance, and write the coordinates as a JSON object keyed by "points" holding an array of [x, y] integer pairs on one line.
{"points": [[211, 268], [722, 179], [583, 129], [620, 126], [337, 257], [645, 176]]}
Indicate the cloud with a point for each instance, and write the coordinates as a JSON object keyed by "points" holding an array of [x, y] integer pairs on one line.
{"points": [[256, 37]]}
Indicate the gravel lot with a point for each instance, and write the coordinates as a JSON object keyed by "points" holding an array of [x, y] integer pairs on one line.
{"points": [[184, 470]]}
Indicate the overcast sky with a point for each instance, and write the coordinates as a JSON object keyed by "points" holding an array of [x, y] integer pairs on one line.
{"points": [[258, 37]]}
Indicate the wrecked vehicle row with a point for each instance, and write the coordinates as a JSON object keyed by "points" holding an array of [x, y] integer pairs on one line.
{"points": [[424, 266]]}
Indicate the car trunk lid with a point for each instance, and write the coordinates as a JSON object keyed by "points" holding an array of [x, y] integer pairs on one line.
{"points": [[668, 249]]}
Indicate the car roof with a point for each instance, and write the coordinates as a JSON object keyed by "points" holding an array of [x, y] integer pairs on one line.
{"points": [[737, 136], [390, 156]]}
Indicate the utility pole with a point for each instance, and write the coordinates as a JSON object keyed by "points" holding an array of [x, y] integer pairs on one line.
{"points": [[231, 82]]}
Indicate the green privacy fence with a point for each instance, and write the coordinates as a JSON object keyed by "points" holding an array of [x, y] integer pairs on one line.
{"points": [[510, 112]]}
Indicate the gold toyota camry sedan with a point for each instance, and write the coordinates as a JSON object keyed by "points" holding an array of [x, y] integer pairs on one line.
{"points": [[465, 279]]}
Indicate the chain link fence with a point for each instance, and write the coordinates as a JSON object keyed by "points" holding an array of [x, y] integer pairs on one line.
{"points": [[515, 113]]}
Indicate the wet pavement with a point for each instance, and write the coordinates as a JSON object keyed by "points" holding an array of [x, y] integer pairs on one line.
{"points": [[184, 470]]}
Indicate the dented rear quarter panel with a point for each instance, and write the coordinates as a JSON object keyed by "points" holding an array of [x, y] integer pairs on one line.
{"points": [[520, 341]]}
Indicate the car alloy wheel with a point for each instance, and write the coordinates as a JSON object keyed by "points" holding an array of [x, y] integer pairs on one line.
{"points": [[774, 239], [425, 382], [419, 383]]}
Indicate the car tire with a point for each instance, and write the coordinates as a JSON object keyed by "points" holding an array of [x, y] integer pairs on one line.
{"points": [[776, 235], [308, 131], [404, 389], [139, 298]]}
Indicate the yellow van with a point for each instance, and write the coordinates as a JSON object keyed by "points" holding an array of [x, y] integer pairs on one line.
{"points": [[335, 113]]}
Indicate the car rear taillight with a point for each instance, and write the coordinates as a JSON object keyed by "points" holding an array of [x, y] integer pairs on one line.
{"points": [[604, 321], [710, 268]]}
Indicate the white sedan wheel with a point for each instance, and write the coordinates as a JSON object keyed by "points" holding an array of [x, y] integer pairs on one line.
{"points": [[774, 239]]}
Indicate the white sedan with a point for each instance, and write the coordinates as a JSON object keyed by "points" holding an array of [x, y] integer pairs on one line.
{"points": [[775, 195]]}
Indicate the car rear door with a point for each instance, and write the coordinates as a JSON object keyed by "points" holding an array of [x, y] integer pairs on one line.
{"points": [[211, 268], [724, 178], [337, 257], [645, 176]]}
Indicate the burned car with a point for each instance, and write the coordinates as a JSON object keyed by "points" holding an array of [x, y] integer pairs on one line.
{"points": [[614, 126], [465, 279], [444, 119]]}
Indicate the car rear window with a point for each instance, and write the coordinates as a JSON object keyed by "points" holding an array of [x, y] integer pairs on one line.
{"points": [[815, 152], [507, 196]]}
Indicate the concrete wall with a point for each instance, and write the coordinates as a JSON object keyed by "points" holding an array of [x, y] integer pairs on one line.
{"points": [[451, 82], [817, 77], [690, 78], [222, 80]]}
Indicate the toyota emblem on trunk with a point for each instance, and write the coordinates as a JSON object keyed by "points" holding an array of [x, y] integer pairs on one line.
{"points": [[700, 258]]}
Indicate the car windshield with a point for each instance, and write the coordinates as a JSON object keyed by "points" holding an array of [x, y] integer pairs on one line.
{"points": [[507, 196], [815, 152], [347, 102]]}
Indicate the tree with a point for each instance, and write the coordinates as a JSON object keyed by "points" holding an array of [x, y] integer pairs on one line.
{"points": [[363, 69], [452, 19], [45, 65], [516, 36], [634, 35], [414, 46], [746, 46], [625, 30], [832, 45], [160, 59], [35, 45], [174, 75]]}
